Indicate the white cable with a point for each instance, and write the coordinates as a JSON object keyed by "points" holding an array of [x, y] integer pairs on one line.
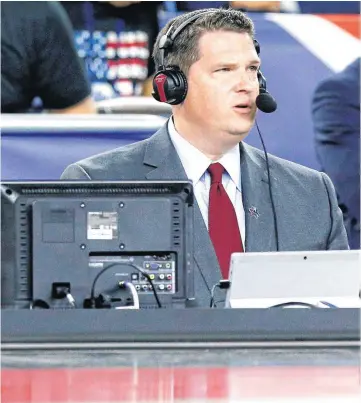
{"points": [[135, 296], [71, 300]]}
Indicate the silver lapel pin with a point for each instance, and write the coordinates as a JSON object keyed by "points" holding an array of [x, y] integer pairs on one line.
{"points": [[253, 212]]}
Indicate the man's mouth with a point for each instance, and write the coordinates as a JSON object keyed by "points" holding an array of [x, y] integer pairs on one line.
{"points": [[243, 108]]}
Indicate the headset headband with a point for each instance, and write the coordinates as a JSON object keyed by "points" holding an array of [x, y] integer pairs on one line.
{"points": [[166, 41]]}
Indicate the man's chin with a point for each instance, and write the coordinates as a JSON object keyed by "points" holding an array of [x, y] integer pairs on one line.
{"points": [[243, 125], [240, 131]]}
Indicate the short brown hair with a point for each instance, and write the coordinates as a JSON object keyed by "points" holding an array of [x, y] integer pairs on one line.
{"points": [[184, 51]]}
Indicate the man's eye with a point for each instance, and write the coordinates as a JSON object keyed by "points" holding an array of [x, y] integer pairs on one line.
{"points": [[254, 68], [224, 69]]}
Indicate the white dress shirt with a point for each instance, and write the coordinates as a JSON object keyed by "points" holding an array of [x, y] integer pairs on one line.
{"points": [[195, 164]]}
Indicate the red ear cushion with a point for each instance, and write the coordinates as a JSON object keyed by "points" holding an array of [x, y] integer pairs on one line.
{"points": [[170, 86], [159, 81]]}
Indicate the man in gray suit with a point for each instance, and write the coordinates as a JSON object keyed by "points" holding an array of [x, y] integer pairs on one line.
{"points": [[208, 69]]}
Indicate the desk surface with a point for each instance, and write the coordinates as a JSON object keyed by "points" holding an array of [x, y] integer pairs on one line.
{"points": [[182, 376], [180, 356]]}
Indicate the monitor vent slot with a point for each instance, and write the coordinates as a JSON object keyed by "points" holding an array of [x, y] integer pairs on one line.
{"points": [[24, 252], [96, 190], [176, 223]]}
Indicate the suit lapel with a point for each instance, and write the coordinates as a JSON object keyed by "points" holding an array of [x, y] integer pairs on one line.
{"points": [[204, 253], [164, 163], [260, 234]]}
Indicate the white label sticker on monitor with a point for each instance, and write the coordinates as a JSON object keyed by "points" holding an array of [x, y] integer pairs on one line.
{"points": [[102, 225]]}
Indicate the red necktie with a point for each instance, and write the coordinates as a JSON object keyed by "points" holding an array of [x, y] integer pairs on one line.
{"points": [[222, 220]]}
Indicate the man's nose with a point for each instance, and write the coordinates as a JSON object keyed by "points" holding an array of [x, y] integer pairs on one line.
{"points": [[246, 82]]}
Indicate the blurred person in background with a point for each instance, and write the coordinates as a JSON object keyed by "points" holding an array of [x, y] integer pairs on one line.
{"points": [[39, 60], [198, 5], [253, 6], [267, 6], [285, 6], [336, 117], [115, 39]]}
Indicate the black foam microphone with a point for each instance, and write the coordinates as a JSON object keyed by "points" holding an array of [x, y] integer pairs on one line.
{"points": [[265, 102]]}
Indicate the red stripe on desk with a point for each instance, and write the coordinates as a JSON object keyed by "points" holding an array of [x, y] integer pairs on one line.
{"points": [[173, 384]]}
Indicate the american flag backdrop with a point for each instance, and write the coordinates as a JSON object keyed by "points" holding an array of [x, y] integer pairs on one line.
{"points": [[116, 62]]}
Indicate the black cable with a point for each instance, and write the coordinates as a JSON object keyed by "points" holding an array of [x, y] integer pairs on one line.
{"points": [[285, 304], [212, 301], [270, 189], [222, 285], [146, 275], [39, 304], [328, 304]]}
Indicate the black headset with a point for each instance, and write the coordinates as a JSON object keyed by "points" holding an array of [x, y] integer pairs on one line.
{"points": [[170, 83]]}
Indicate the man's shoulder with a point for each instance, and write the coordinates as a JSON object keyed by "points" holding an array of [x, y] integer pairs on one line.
{"points": [[122, 163], [118, 163], [27, 12], [292, 168], [338, 84], [282, 167], [342, 83]]}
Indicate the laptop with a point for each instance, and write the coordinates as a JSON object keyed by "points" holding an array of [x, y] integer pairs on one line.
{"points": [[324, 279]]}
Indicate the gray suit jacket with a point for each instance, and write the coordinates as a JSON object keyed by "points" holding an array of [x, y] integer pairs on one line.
{"points": [[308, 216]]}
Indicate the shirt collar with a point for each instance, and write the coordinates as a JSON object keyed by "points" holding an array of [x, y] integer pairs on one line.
{"points": [[195, 163], [232, 164]]}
